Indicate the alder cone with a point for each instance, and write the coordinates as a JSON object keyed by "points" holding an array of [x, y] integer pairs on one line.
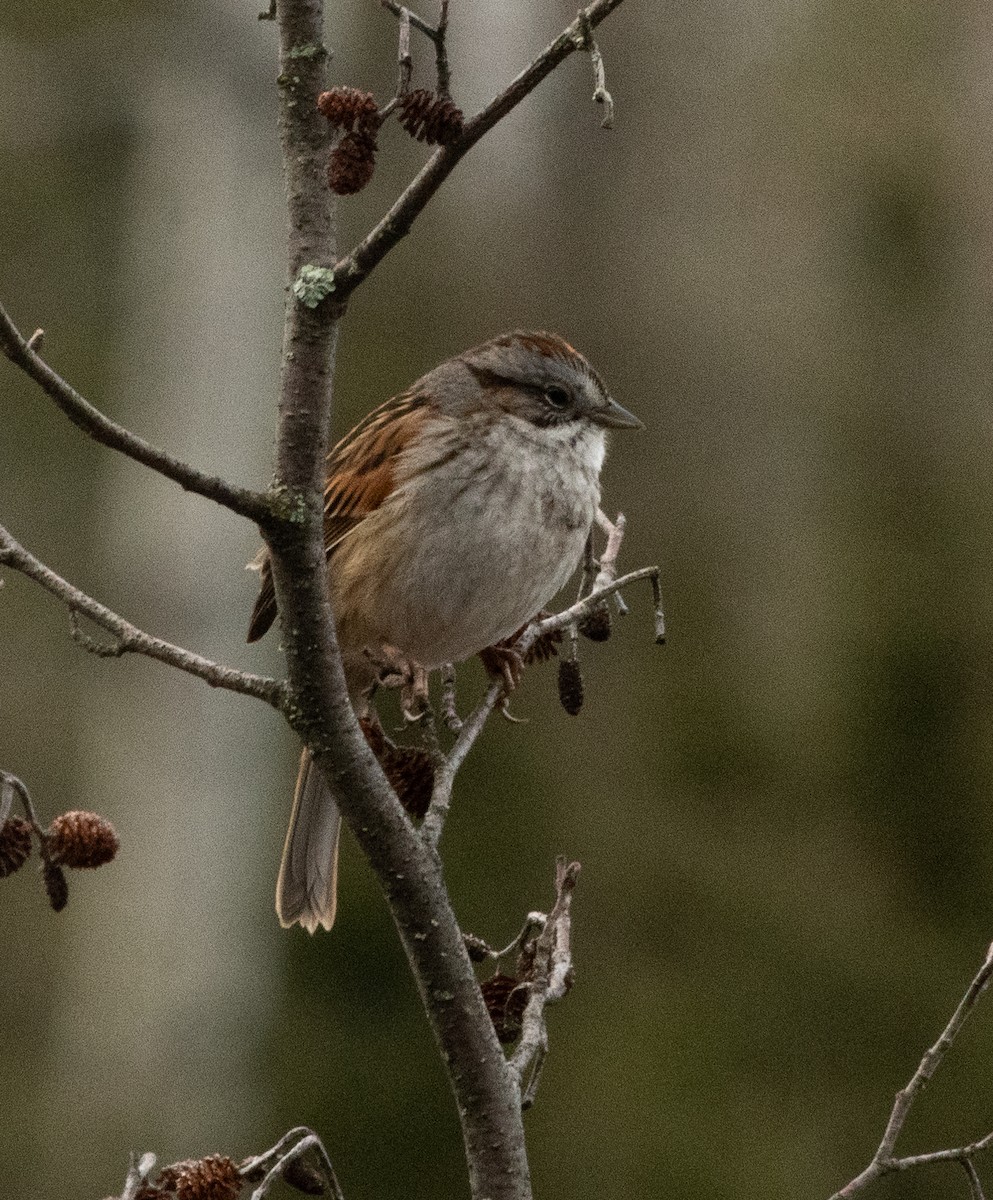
{"points": [[505, 1002], [81, 840], [411, 774], [543, 647], [215, 1177], [596, 625], [56, 887], [570, 686], [352, 163], [430, 118], [408, 768], [15, 845], [348, 107]]}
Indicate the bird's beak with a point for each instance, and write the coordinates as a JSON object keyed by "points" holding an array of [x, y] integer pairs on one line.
{"points": [[615, 417]]}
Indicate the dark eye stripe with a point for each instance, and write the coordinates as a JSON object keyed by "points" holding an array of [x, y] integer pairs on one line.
{"points": [[544, 417]]}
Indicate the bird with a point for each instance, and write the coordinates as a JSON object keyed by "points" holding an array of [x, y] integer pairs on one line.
{"points": [[453, 513]]}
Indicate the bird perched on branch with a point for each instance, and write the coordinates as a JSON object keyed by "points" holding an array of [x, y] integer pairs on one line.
{"points": [[453, 513]]}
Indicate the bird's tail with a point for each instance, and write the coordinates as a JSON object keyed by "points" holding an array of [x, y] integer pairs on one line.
{"points": [[308, 875]]}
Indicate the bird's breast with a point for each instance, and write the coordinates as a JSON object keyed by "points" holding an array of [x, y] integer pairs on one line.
{"points": [[484, 527]]}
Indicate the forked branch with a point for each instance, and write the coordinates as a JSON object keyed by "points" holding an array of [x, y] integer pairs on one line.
{"points": [[24, 353], [885, 1161], [354, 267], [551, 978], [128, 638]]}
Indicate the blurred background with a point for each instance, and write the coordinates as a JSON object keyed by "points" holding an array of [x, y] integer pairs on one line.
{"points": [[780, 258]]}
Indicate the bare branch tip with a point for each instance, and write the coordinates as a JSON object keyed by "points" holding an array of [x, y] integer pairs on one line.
{"points": [[587, 42]]}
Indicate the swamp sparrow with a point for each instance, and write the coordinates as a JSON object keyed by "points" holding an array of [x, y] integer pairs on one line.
{"points": [[453, 513]]}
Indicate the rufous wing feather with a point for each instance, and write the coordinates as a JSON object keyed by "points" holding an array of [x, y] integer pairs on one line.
{"points": [[361, 474]]}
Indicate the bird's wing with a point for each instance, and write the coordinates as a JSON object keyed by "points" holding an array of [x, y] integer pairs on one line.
{"points": [[360, 475]]}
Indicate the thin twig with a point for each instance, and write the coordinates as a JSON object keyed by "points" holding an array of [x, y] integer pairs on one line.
{"points": [[10, 786], [551, 980], [590, 568], [354, 267], [659, 611], [974, 1184], [530, 1092], [260, 1162], [449, 704], [417, 22], [442, 69], [600, 93], [957, 1155], [139, 1174], [533, 921], [608, 560], [437, 34], [577, 611], [22, 352], [615, 537], [445, 772], [308, 1140], [883, 1161], [129, 639], [405, 62], [473, 725]]}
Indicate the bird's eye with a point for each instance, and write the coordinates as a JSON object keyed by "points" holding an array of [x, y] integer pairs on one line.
{"points": [[557, 396]]}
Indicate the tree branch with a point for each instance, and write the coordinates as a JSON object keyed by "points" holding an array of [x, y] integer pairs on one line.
{"points": [[23, 353], [975, 1187], [278, 1161], [350, 271], [409, 871], [128, 639], [551, 978], [600, 93], [473, 725], [315, 698], [884, 1162], [437, 34]]}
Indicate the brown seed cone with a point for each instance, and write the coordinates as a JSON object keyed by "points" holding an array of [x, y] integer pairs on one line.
{"points": [[348, 108], [54, 879], [374, 735], [15, 845], [411, 774], [304, 1178], [596, 625], [505, 1002], [81, 839], [352, 163], [543, 648], [408, 768], [570, 686], [430, 118], [215, 1177]]}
